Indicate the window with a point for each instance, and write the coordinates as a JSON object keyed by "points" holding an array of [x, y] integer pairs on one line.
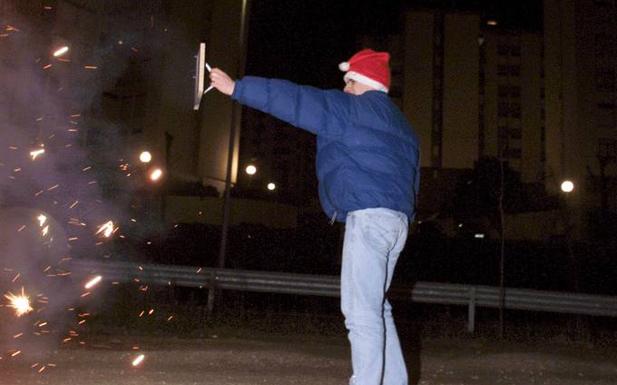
{"points": [[604, 3], [509, 91], [603, 44], [606, 106], [503, 49], [605, 80], [508, 70], [607, 148], [505, 109]]}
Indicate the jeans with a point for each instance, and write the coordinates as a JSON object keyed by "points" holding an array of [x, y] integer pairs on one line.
{"points": [[374, 238]]}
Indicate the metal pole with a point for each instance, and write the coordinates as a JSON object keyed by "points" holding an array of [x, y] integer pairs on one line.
{"points": [[232, 139]]}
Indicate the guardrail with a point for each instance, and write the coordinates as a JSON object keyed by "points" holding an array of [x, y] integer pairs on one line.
{"points": [[472, 296]]}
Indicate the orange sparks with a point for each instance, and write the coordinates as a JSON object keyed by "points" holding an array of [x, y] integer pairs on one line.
{"points": [[107, 229], [16, 353], [138, 360], [21, 303], [90, 67], [93, 282], [47, 66], [45, 230], [21, 228], [16, 277]]}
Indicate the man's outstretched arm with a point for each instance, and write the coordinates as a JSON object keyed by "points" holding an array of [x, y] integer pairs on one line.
{"points": [[315, 110]]}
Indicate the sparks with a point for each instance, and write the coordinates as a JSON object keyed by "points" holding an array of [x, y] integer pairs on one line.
{"points": [[45, 230], [42, 219], [21, 303], [137, 361], [93, 282], [107, 229], [35, 153], [61, 51]]}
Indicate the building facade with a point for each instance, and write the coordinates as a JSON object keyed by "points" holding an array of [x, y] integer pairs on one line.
{"points": [[580, 60]]}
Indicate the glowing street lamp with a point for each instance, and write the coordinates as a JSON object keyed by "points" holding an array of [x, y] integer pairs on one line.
{"points": [[156, 174], [271, 186], [567, 186], [250, 169], [145, 157], [61, 51]]}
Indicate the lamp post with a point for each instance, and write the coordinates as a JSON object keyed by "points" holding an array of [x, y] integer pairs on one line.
{"points": [[567, 187], [234, 118]]}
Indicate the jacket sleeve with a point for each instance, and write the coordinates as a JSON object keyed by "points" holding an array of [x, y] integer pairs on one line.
{"points": [[322, 112]]}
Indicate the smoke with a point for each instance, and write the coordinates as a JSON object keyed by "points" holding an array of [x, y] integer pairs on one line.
{"points": [[62, 157]]}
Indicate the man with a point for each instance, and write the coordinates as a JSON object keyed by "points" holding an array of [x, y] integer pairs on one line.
{"points": [[368, 172]]}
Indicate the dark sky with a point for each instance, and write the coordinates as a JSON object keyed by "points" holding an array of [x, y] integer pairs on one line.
{"points": [[304, 40]]}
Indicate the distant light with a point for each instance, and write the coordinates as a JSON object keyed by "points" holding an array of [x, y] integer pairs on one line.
{"points": [[460, 225], [479, 236], [156, 174], [145, 157], [250, 169], [61, 51], [567, 186], [271, 186], [492, 22]]}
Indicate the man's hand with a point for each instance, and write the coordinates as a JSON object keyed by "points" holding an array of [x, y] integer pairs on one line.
{"points": [[221, 81]]}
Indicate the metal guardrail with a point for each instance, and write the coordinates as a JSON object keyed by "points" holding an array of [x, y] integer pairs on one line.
{"points": [[472, 296]]}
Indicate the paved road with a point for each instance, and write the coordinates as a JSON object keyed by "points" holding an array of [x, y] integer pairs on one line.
{"points": [[302, 361]]}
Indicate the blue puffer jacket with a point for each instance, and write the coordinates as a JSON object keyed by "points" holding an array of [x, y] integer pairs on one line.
{"points": [[367, 153]]}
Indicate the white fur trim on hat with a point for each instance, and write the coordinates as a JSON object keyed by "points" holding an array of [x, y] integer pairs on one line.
{"points": [[365, 80], [344, 66]]}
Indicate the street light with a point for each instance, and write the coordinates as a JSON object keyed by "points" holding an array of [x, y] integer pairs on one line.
{"points": [[155, 174], [567, 186], [250, 169], [145, 157], [271, 186]]}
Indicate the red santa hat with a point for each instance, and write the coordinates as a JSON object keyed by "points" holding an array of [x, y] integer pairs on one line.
{"points": [[370, 68]]}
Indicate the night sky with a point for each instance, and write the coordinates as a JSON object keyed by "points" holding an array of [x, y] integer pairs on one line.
{"points": [[304, 41]]}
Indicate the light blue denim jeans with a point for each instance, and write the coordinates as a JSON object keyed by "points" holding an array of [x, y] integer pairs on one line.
{"points": [[374, 238]]}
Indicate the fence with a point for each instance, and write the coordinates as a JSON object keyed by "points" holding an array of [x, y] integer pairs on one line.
{"points": [[472, 296]]}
